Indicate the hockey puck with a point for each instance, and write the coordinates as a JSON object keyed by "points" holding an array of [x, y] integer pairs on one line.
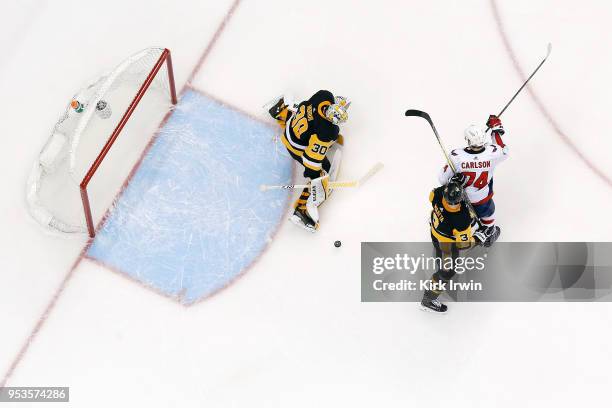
{"points": [[337, 244]]}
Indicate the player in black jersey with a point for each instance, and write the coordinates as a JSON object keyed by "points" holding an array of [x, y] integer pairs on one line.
{"points": [[310, 130], [452, 229]]}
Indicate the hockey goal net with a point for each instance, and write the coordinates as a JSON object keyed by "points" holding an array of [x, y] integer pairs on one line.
{"points": [[98, 140]]}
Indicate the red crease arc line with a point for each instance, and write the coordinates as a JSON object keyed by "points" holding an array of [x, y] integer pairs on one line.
{"points": [[564, 137], [212, 43]]}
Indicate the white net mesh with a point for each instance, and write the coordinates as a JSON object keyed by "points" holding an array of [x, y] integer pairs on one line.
{"points": [[80, 134]]}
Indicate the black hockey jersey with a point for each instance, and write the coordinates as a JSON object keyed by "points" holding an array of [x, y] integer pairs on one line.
{"points": [[309, 135], [450, 224]]}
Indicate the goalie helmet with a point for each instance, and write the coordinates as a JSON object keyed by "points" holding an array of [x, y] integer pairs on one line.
{"points": [[452, 193], [337, 111], [475, 136]]}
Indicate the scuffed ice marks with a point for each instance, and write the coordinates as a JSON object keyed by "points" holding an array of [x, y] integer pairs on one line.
{"points": [[193, 218]]}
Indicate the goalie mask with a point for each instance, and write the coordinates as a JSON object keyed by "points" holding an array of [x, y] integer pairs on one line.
{"points": [[337, 111], [475, 136]]}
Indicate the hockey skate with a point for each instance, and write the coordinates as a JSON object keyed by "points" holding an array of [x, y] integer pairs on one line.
{"points": [[277, 106], [301, 218], [433, 305], [276, 109]]}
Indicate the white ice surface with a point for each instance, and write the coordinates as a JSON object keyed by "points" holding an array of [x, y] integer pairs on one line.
{"points": [[287, 334]]}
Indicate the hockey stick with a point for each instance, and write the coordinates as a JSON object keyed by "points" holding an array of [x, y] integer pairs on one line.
{"points": [[332, 184], [425, 115], [548, 51]]}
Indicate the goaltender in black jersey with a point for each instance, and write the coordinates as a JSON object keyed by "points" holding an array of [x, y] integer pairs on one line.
{"points": [[453, 229], [310, 133], [310, 130]]}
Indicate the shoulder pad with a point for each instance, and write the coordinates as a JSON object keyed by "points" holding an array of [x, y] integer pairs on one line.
{"points": [[327, 131], [321, 96]]}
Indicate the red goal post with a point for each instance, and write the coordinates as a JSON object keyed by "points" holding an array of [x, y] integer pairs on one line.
{"points": [[59, 186], [164, 58]]}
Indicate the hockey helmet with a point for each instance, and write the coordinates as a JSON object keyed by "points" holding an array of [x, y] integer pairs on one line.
{"points": [[475, 136], [337, 111], [453, 193]]}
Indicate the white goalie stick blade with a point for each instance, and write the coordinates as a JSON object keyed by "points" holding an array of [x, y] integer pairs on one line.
{"points": [[332, 184]]}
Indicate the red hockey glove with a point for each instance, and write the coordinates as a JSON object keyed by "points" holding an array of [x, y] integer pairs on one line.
{"points": [[494, 123]]}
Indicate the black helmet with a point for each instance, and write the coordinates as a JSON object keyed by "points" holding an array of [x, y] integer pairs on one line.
{"points": [[452, 193]]}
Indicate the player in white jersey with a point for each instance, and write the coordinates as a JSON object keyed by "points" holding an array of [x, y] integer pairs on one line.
{"points": [[475, 165]]}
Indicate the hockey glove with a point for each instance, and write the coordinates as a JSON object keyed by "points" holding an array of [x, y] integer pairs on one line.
{"points": [[340, 140], [494, 123], [487, 236], [480, 237], [459, 178]]}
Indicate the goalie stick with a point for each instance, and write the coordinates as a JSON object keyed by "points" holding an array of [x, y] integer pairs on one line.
{"points": [[332, 184]]}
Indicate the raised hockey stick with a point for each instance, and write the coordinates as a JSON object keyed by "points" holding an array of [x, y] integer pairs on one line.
{"points": [[548, 51], [425, 115], [333, 184]]}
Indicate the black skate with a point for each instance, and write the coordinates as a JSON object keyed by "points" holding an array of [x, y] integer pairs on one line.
{"points": [[301, 218], [433, 305], [277, 108]]}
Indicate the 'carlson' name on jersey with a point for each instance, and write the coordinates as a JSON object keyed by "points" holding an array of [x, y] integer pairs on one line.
{"points": [[476, 165]]}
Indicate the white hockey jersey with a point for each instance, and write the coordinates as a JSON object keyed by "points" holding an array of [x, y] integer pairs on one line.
{"points": [[478, 169]]}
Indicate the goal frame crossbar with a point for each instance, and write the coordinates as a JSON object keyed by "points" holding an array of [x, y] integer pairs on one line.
{"points": [[164, 58]]}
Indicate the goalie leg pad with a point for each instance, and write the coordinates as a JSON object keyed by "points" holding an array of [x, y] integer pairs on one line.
{"points": [[303, 199], [318, 195], [319, 189], [301, 216]]}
